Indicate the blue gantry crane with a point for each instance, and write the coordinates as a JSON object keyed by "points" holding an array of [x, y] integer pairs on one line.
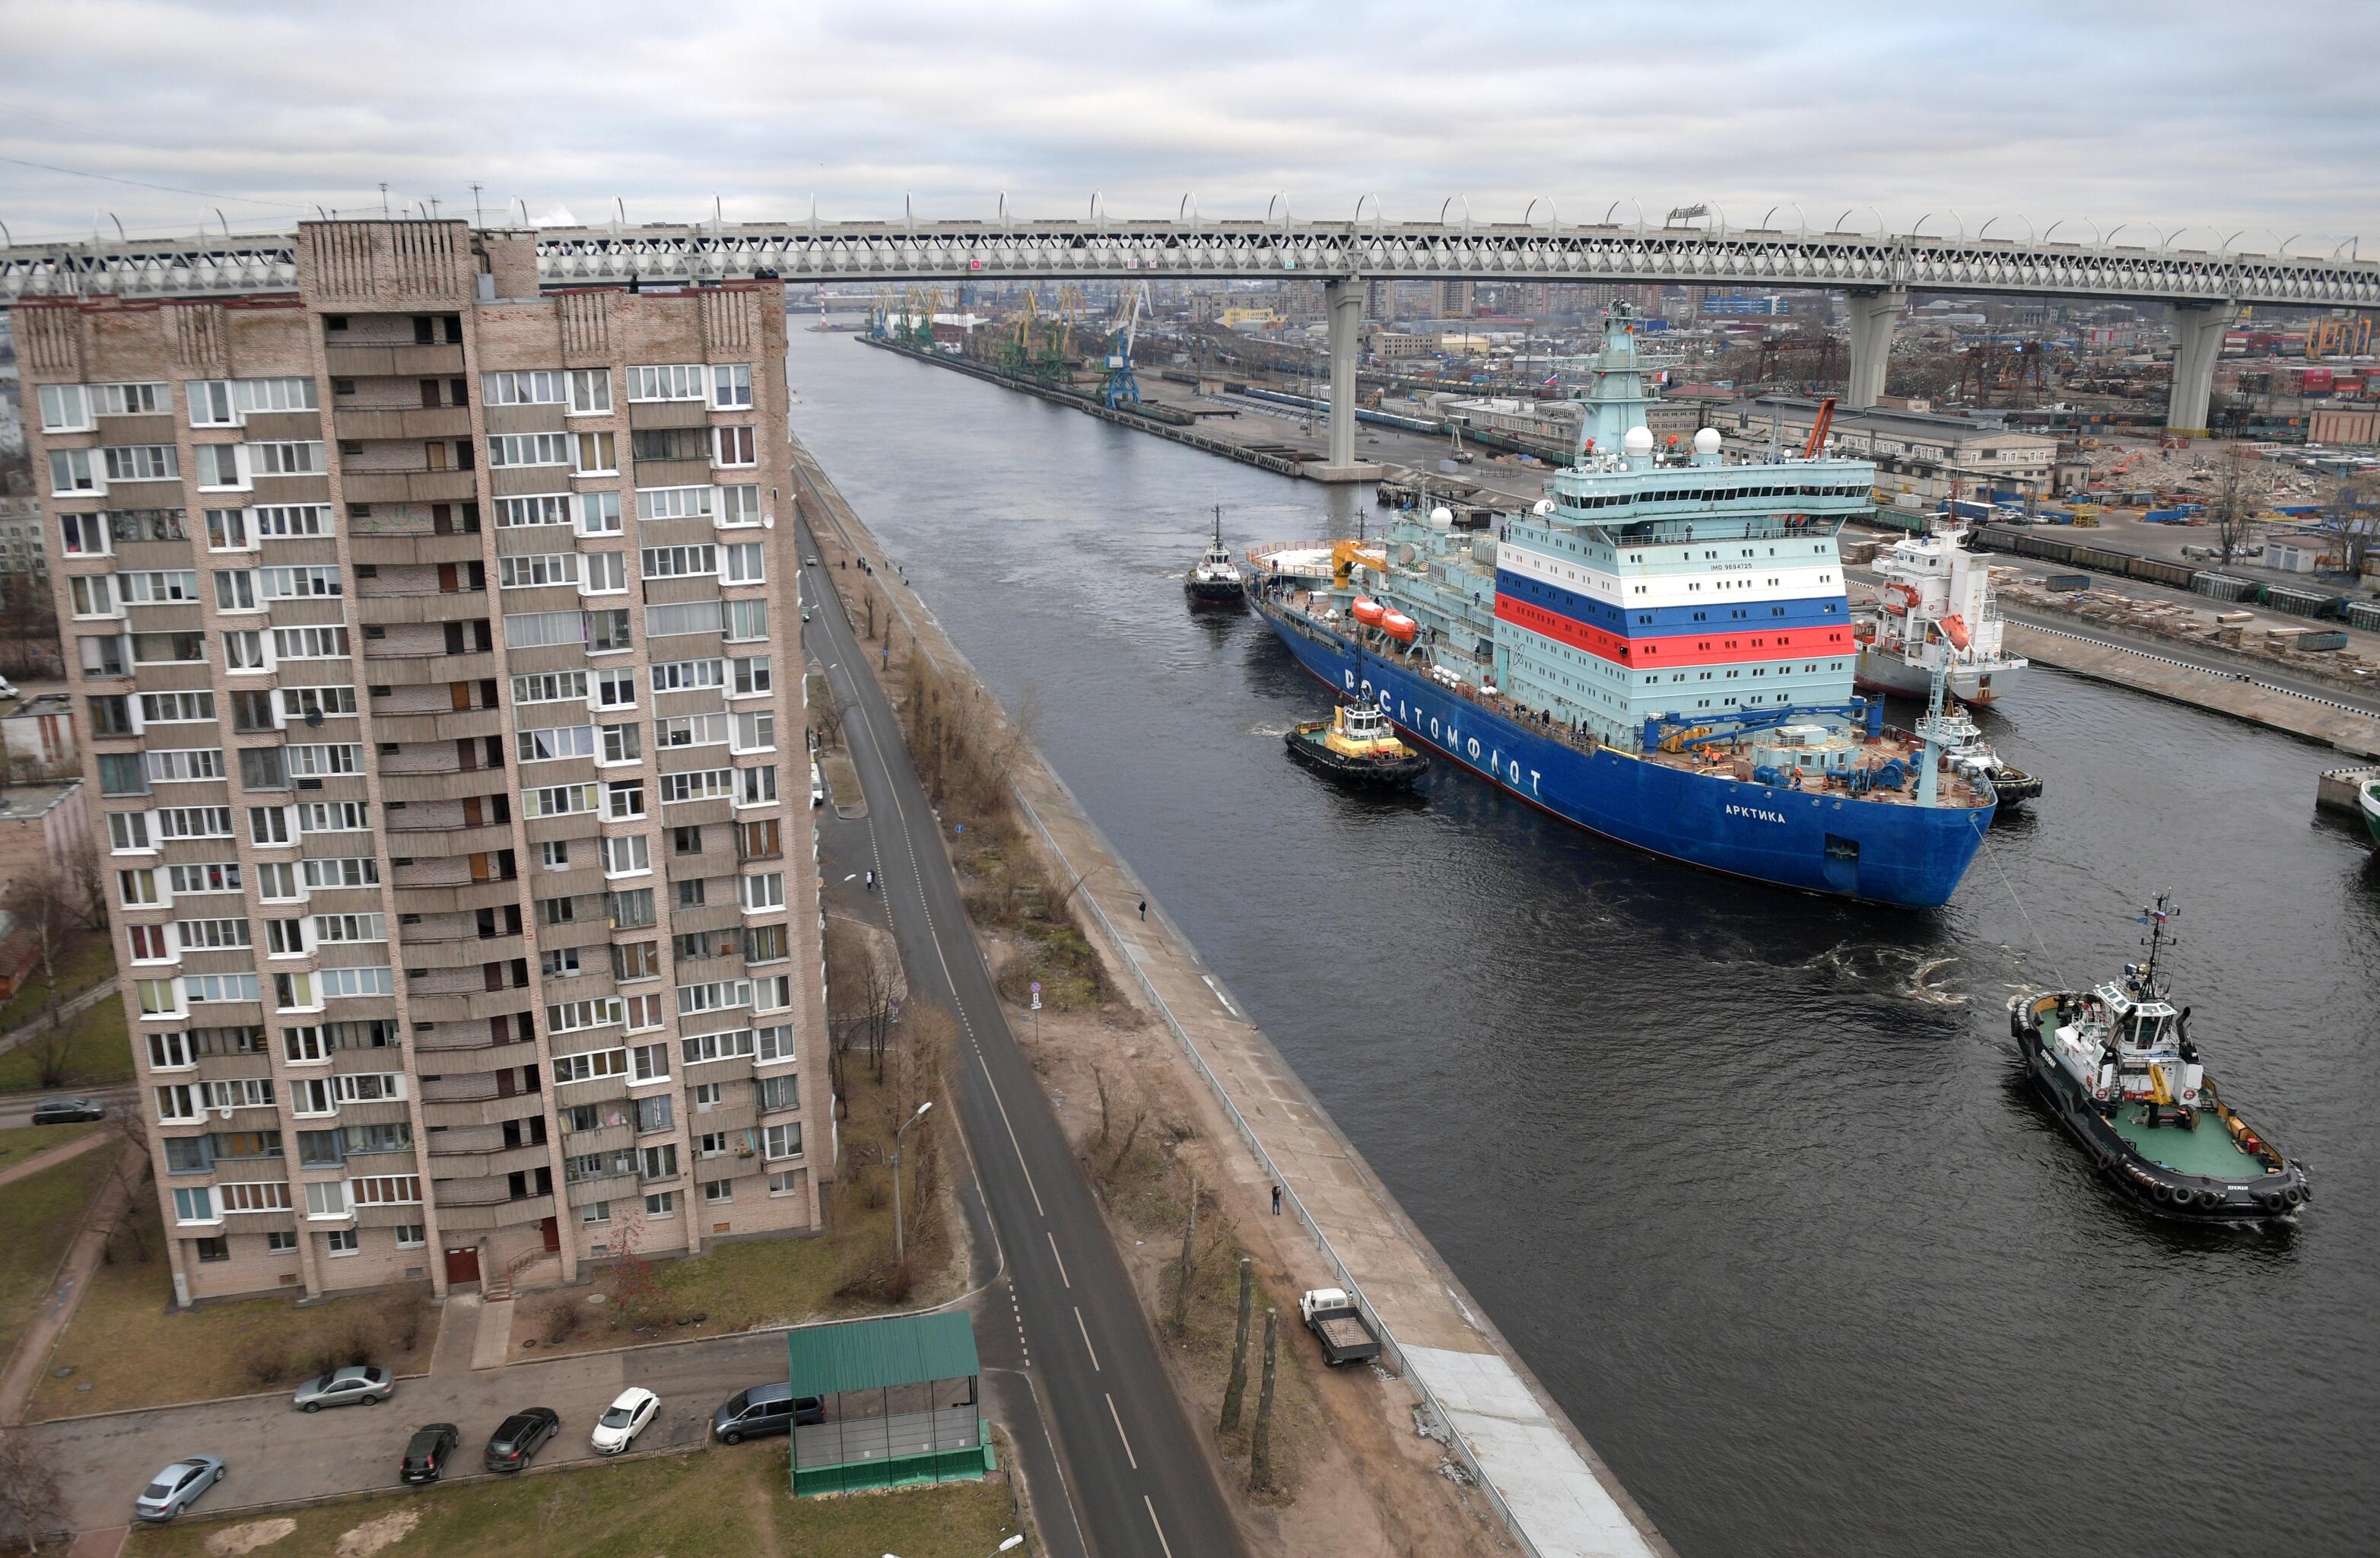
{"points": [[1121, 388]]}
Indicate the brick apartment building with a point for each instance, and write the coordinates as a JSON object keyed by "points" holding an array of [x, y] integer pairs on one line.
{"points": [[437, 644]]}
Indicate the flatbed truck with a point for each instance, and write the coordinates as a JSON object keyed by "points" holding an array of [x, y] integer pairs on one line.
{"points": [[1339, 1325]]}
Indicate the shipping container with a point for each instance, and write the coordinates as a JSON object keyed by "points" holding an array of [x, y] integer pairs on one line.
{"points": [[2068, 583], [2333, 639], [2363, 613]]}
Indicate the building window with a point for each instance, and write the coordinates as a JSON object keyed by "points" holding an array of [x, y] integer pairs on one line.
{"points": [[715, 1191], [281, 1243], [409, 1235], [343, 1241], [661, 1204], [217, 1248]]}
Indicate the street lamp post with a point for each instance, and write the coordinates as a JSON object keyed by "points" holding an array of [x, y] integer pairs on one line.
{"points": [[899, 1244]]}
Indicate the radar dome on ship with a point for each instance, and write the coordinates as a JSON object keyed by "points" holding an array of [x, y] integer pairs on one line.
{"points": [[1441, 518], [1639, 440], [1707, 441], [1545, 505]]}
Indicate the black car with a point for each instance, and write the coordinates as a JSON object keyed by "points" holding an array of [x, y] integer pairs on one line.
{"points": [[426, 1453], [520, 1436], [67, 1111], [764, 1409]]}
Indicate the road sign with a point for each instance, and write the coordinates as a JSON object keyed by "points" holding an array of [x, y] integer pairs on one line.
{"points": [[1036, 996]]}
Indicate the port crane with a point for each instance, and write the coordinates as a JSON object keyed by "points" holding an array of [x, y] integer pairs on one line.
{"points": [[1120, 387]]}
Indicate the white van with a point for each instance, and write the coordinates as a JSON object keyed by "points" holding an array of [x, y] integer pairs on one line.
{"points": [[818, 787]]}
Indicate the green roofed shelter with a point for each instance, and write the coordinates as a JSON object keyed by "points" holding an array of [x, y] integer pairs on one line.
{"points": [[899, 1404]]}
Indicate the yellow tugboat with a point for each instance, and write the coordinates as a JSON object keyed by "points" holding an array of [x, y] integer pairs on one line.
{"points": [[1358, 746]]}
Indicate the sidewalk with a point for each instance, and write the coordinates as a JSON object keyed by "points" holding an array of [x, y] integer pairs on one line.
{"points": [[51, 1156], [74, 1275], [69, 1009], [1552, 1488]]}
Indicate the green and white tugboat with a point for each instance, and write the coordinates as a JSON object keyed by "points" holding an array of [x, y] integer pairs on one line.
{"points": [[2118, 1068], [2367, 798]]}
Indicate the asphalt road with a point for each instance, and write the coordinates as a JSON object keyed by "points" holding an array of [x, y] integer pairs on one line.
{"points": [[1136, 1472]]}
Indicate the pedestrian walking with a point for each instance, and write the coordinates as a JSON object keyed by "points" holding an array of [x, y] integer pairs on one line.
{"points": [[1143, 908], [871, 881], [1275, 1201]]}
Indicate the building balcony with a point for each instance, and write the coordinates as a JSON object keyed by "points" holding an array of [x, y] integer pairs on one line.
{"points": [[429, 605], [412, 423], [449, 724], [504, 1214], [603, 1138], [356, 359], [484, 1112], [458, 1090], [601, 1187], [410, 486]]}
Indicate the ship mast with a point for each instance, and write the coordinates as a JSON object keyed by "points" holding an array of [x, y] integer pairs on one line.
{"points": [[2155, 917]]}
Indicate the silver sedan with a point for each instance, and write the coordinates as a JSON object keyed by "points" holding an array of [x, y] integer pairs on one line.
{"points": [[173, 1489], [345, 1387]]}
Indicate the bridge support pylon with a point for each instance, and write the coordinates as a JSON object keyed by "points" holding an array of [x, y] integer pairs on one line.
{"points": [[1343, 301], [1874, 315], [2197, 343]]}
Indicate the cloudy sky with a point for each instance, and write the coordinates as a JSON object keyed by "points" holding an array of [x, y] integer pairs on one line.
{"points": [[164, 116]]}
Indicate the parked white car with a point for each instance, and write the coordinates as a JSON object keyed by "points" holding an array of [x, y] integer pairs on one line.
{"points": [[624, 1419], [818, 787]]}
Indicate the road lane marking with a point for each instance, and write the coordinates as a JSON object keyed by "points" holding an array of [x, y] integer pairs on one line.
{"points": [[1058, 1258], [1090, 1349], [1014, 1145], [1220, 996], [1160, 1529], [1114, 1417]]}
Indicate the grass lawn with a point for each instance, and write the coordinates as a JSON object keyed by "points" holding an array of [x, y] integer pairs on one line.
{"points": [[21, 1142], [740, 1286], [99, 1052], [714, 1502], [38, 1217], [84, 961], [841, 779], [133, 1350]]}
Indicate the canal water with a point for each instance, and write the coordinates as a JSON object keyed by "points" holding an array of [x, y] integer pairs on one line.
{"points": [[1748, 1177]]}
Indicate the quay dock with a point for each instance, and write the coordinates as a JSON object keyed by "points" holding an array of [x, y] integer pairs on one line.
{"points": [[1554, 1494], [1280, 459]]}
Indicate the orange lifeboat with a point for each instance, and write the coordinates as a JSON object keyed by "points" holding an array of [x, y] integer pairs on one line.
{"points": [[1955, 629], [1367, 611], [1400, 627], [1901, 599]]}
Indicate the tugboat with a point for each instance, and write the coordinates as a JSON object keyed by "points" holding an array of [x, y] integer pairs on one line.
{"points": [[2367, 796], [1358, 747], [1214, 579], [2118, 1068], [1971, 756]]}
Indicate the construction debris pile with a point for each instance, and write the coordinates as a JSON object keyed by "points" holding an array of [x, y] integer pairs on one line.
{"points": [[2314, 649]]}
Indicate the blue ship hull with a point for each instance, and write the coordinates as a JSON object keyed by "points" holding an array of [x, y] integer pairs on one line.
{"points": [[1882, 852]]}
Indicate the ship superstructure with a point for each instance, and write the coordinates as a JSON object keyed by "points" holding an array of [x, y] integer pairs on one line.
{"points": [[1934, 608], [1660, 650]]}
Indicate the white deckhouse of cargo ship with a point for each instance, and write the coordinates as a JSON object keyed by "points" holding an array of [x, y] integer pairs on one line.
{"points": [[1934, 608]]}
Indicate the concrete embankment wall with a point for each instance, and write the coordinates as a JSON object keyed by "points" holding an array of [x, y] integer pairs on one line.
{"points": [[1555, 1495], [2275, 708], [1190, 436]]}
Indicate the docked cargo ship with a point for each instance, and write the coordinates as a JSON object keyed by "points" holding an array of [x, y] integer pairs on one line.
{"points": [[1660, 652], [2118, 1068], [1934, 611]]}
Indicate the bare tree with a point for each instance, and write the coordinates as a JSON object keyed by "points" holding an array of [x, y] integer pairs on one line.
{"points": [[2353, 523], [861, 994], [1188, 1273], [31, 1505], [2232, 510], [43, 902], [1237, 1389], [128, 1171], [1260, 1451]]}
